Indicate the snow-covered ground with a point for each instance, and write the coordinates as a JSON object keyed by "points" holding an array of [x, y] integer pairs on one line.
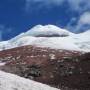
{"points": [[50, 36], [2, 63], [13, 82]]}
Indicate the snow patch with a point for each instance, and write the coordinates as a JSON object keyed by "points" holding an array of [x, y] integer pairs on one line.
{"points": [[13, 82], [2, 63]]}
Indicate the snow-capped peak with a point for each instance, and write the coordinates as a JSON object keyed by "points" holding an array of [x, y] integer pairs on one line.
{"points": [[47, 30], [43, 31], [50, 36]]}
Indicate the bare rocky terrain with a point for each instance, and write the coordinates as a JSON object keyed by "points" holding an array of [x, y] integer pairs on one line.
{"points": [[67, 70]]}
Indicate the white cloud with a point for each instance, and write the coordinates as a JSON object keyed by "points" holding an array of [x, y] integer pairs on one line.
{"points": [[1, 31], [82, 24], [85, 18], [0, 35], [40, 3], [4, 31], [84, 21], [71, 25], [47, 2], [79, 5], [82, 7]]}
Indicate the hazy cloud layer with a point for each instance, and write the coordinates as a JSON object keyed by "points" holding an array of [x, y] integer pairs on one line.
{"points": [[0, 35], [4, 30], [1, 31], [82, 7], [77, 5], [85, 18], [39, 4], [84, 21]]}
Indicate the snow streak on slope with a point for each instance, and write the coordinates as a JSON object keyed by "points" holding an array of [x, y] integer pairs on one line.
{"points": [[50, 36], [13, 82]]}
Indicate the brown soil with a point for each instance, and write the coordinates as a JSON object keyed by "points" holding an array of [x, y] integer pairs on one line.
{"points": [[68, 70]]}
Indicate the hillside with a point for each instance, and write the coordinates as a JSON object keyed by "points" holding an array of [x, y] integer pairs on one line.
{"points": [[49, 55], [57, 68]]}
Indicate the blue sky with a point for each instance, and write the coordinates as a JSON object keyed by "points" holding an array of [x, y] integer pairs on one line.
{"points": [[18, 16]]}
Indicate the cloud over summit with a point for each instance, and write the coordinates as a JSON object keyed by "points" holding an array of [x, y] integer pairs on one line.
{"points": [[81, 7], [77, 5]]}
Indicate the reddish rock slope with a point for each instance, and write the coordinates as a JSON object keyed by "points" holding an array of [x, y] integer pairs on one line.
{"points": [[69, 70]]}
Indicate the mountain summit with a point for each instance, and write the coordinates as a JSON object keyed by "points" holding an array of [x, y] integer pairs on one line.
{"points": [[50, 36], [47, 31]]}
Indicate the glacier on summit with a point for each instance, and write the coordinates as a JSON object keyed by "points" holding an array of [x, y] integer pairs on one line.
{"points": [[50, 36]]}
